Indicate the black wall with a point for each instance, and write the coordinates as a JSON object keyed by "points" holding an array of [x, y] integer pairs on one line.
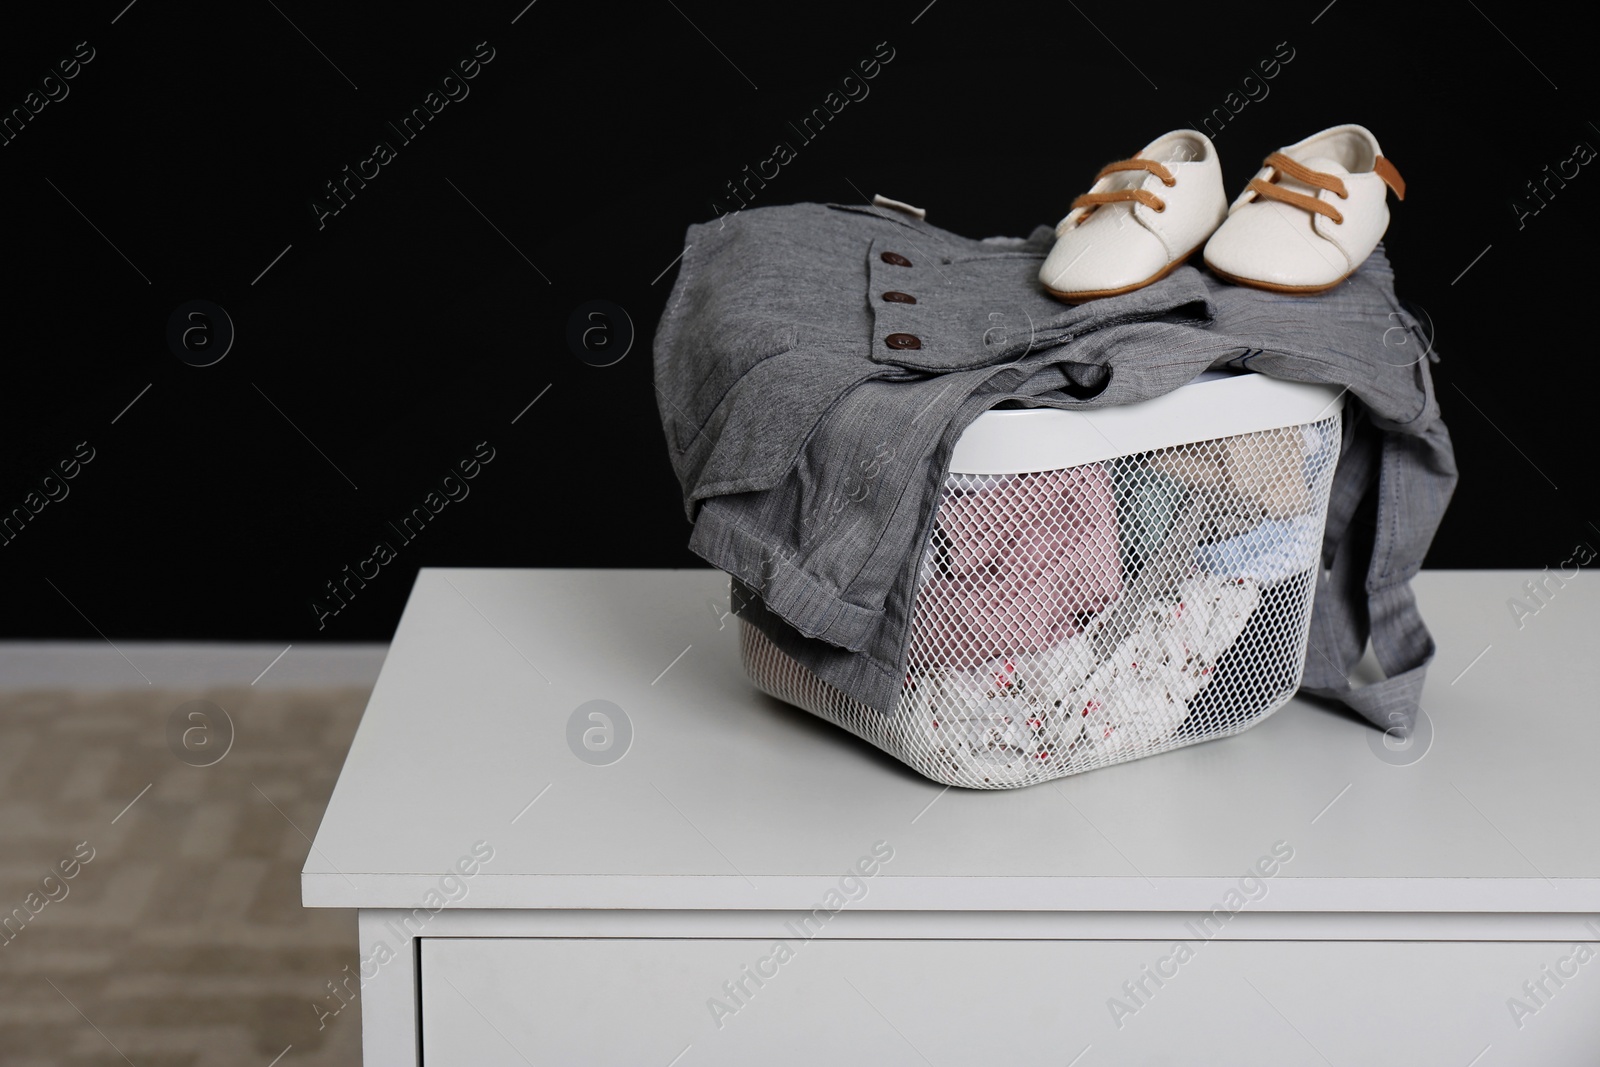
{"points": [[393, 337]]}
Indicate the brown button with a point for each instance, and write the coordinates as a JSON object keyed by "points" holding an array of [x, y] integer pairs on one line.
{"points": [[903, 340], [895, 259], [899, 298]]}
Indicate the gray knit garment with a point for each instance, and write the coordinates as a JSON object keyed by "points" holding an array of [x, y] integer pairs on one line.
{"points": [[785, 378]]}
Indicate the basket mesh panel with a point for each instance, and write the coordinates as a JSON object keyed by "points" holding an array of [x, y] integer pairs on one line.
{"points": [[1071, 619]]}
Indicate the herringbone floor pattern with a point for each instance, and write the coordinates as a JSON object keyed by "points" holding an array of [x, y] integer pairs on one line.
{"points": [[182, 941]]}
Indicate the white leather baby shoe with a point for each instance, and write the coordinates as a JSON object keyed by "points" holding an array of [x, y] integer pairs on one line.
{"points": [[1142, 218], [1310, 216]]}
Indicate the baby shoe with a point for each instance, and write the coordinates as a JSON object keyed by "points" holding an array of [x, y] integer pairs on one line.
{"points": [[1310, 216], [1142, 218]]}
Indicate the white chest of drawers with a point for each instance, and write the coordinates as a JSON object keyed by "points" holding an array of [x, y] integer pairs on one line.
{"points": [[749, 884]]}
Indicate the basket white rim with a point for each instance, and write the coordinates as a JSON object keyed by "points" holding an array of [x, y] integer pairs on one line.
{"points": [[1216, 404]]}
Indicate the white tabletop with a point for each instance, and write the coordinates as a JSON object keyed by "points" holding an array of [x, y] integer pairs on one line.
{"points": [[729, 799]]}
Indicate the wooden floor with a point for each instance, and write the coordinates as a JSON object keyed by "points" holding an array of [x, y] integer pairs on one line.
{"points": [[182, 941]]}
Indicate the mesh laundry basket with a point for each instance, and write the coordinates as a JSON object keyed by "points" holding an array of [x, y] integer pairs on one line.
{"points": [[1103, 585]]}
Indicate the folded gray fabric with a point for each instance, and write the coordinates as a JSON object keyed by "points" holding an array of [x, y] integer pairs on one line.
{"points": [[815, 365]]}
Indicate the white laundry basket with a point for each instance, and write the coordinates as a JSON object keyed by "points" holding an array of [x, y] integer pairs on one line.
{"points": [[1103, 585]]}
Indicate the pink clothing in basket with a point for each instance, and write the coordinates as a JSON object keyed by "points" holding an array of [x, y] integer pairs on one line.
{"points": [[1018, 564]]}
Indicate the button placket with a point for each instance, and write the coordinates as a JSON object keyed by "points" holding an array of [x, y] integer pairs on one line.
{"points": [[893, 318]]}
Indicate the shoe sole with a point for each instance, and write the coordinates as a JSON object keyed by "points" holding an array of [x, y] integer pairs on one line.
{"points": [[1276, 287], [1098, 294]]}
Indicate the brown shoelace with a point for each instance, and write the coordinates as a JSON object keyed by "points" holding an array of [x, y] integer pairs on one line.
{"points": [[1122, 196], [1319, 180]]}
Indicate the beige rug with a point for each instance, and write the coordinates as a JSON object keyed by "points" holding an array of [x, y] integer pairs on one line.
{"points": [[182, 941]]}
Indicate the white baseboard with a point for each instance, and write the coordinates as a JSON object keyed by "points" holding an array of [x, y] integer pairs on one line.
{"points": [[174, 665]]}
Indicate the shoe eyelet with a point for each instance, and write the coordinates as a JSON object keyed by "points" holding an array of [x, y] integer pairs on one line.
{"points": [[1338, 219], [1162, 207]]}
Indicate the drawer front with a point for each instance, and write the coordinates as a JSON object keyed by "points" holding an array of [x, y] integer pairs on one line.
{"points": [[644, 1001]]}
